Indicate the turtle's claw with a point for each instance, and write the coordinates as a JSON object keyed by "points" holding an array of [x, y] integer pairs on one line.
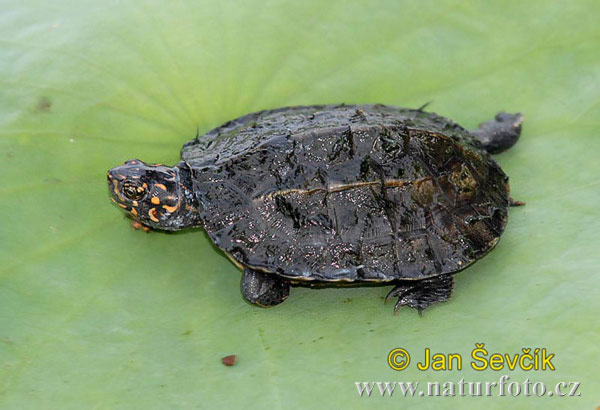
{"points": [[400, 292], [407, 300], [397, 306], [513, 202], [397, 292]]}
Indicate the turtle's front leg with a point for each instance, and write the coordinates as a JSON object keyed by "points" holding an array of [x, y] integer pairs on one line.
{"points": [[138, 225], [422, 293], [263, 289]]}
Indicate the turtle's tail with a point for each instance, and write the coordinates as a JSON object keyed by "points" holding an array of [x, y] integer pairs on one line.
{"points": [[499, 134]]}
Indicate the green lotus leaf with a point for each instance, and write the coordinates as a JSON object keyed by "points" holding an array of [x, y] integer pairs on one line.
{"points": [[95, 314]]}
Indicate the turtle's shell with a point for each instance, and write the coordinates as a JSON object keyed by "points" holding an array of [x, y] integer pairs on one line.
{"points": [[366, 193]]}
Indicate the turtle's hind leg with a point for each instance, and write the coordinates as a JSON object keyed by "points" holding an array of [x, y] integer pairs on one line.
{"points": [[499, 134], [422, 293], [263, 289]]}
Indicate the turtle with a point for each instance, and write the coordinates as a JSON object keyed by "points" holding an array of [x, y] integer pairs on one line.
{"points": [[335, 195]]}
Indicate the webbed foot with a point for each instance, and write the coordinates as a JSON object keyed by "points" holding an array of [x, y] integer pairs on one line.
{"points": [[422, 293]]}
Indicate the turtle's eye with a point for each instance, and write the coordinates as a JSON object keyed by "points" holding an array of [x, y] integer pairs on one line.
{"points": [[133, 190]]}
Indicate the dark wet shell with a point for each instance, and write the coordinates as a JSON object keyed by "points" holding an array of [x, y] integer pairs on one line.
{"points": [[348, 193]]}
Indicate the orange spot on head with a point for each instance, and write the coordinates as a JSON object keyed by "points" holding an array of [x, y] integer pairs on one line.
{"points": [[152, 214], [171, 208], [155, 200], [161, 186]]}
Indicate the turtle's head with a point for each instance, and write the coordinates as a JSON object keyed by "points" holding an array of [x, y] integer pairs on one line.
{"points": [[155, 195]]}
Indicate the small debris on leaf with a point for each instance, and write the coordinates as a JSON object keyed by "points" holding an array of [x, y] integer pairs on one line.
{"points": [[229, 360]]}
